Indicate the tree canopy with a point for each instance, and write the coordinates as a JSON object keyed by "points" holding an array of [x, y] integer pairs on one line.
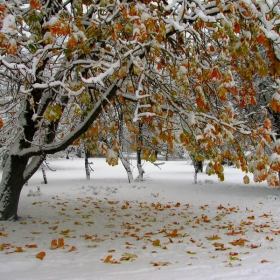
{"points": [[190, 67]]}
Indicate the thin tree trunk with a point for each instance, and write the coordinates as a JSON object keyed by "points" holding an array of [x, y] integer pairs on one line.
{"points": [[44, 174], [126, 166], [124, 160], [198, 167], [87, 168], [195, 176], [166, 155], [139, 151]]}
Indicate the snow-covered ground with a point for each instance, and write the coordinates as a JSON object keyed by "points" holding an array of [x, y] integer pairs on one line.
{"points": [[163, 228]]}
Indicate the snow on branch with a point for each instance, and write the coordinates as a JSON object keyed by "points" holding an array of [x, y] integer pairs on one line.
{"points": [[79, 129], [98, 79]]}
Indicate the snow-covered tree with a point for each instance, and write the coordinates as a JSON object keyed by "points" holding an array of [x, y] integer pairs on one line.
{"points": [[196, 59]]}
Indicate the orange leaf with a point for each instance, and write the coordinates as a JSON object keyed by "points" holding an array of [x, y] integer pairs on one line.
{"points": [[35, 4], [252, 246], [107, 260], [60, 242], [236, 27], [41, 255], [53, 244], [31, 246], [174, 233], [73, 248], [18, 250], [160, 263]]}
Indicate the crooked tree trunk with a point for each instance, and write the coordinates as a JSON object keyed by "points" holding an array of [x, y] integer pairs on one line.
{"points": [[15, 175], [11, 187], [17, 170]]}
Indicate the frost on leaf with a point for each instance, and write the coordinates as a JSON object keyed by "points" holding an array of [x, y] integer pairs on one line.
{"points": [[53, 113], [275, 102], [128, 257], [111, 157]]}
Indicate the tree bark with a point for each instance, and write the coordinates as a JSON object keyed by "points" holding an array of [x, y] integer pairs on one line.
{"points": [[87, 168], [198, 167], [124, 160], [126, 166], [44, 174], [138, 152], [12, 183]]}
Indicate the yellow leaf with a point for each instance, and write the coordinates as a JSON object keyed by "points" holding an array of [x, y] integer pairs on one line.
{"points": [[246, 179], [214, 237], [128, 257], [53, 228], [156, 242], [239, 242], [191, 253], [112, 251]]}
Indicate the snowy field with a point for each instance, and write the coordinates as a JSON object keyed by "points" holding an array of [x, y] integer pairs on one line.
{"points": [[163, 228]]}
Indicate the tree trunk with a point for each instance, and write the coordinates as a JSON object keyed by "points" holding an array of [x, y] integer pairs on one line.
{"points": [[124, 160], [11, 186], [44, 174], [166, 155], [198, 167], [126, 166], [139, 151], [195, 176], [87, 168]]}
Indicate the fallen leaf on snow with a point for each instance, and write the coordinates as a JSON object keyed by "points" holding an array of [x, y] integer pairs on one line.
{"points": [[31, 246], [41, 255]]}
